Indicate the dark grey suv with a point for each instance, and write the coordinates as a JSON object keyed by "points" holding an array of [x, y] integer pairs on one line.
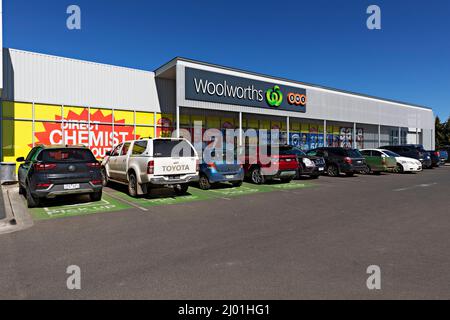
{"points": [[51, 171]]}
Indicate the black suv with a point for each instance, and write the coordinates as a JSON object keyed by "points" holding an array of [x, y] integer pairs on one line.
{"points": [[435, 159], [415, 151], [311, 166], [341, 160], [50, 171]]}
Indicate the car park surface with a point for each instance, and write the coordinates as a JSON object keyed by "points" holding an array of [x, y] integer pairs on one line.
{"points": [[300, 243]]}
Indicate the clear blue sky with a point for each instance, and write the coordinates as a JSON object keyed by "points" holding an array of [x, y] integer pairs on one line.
{"points": [[321, 42]]}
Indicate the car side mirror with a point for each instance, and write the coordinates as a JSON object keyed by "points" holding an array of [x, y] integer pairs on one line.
{"points": [[21, 159], [108, 153]]}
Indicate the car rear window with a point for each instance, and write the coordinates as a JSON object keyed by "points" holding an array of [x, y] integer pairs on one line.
{"points": [[172, 148], [66, 155], [352, 153], [139, 147]]}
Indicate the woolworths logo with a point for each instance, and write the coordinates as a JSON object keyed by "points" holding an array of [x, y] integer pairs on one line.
{"points": [[274, 97]]}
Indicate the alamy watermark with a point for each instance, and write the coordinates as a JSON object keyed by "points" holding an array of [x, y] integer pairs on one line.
{"points": [[74, 20], [374, 280], [74, 280], [374, 20]]}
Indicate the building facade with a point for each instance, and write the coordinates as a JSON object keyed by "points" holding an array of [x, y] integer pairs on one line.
{"points": [[54, 100]]}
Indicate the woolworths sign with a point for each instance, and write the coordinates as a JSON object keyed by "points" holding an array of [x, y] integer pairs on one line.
{"points": [[221, 88]]}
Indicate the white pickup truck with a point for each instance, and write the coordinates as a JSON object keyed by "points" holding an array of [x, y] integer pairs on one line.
{"points": [[150, 163]]}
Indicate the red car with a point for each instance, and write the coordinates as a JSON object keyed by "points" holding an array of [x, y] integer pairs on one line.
{"points": [[266, 163]]}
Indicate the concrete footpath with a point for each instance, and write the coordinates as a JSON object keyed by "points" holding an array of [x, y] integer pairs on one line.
{"points": [[14, 213]]}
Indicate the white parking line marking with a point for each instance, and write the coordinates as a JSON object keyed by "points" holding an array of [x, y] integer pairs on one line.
{"points": [[79, 205], [424, 185], [126, 201]]}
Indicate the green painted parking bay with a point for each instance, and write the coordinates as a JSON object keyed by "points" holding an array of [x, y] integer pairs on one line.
{"points": [[116, 199]]}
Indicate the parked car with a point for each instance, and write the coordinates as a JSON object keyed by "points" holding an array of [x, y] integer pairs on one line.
{"points": [[404, 164], [152, 163], [310, 166], [51, 171], [262, 167], [435, 159], [444, 156], [415, 151], [221, 170], [341, 160], [446, 150], [377, 161]]}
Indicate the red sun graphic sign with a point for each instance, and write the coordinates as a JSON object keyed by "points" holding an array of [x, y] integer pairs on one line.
{"points": [[101, 137]]}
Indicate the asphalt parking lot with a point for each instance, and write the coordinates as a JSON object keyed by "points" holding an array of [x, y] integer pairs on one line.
{"points": [[313, 240]]}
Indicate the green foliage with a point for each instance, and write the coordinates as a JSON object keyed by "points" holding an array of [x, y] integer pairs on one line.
{"points": [[442, 133]]}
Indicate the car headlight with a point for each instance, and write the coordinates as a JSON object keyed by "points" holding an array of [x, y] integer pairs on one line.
{"points": [[403, 162], [308, 162]]}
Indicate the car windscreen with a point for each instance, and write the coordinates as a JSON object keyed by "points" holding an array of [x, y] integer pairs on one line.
{"points": [[391, 154], [172, 148], [66, 155]]}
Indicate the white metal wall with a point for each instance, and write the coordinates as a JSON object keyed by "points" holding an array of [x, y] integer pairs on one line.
{"points": [[34, 77]]}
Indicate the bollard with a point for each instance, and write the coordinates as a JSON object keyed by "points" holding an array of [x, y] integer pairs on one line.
{"points": [[8, 173]]}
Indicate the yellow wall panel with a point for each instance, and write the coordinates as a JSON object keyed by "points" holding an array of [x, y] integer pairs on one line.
{"points": [[146, 118], [47, 112], [17, 110], [124, 117]]}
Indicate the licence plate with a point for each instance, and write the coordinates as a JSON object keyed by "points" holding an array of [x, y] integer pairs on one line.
{"points": [[321, 169], [229, 176], [72, 186]]}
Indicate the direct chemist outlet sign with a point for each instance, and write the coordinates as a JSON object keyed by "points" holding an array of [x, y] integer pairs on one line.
{"points": [[215, 87]]}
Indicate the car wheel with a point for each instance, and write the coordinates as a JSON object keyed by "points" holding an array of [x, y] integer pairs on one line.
{"points": [[21, 190], [314, 176], [132, 184], [237, 184], [368, 170], [204, 183], [286, 180], [105, 179], [333, 170], [181, 189], [399, 168], [32, 202], [256, 176], [96, 196]]}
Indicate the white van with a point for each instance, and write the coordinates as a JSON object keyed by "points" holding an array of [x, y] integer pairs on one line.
{"points": [[150, 163]]}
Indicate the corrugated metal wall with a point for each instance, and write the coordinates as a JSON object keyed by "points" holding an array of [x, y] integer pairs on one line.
{"points": [[33, 77], [322, 104]]}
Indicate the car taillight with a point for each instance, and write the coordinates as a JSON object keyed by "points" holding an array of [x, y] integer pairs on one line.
{"points": [[94, 165], [97, 182], [348, 160], [44, 166], [43, 185], [437, 153], [212, 165], [151, 167], [383, 161]]}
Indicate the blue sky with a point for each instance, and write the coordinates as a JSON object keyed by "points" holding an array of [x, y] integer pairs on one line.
{"points": [[324, 42]]}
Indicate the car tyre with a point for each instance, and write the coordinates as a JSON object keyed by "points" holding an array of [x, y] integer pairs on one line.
{"points": [[314, 176], [132, 184], [333, 170], [105, 179], [32, 202], [96, 196], [256, 176], [286, 180], [22, 190], [204, 183], [399, 168], [181, 189], [236, 184]]}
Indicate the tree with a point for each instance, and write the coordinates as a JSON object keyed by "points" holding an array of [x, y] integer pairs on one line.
{"points": [[442, 132]]}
